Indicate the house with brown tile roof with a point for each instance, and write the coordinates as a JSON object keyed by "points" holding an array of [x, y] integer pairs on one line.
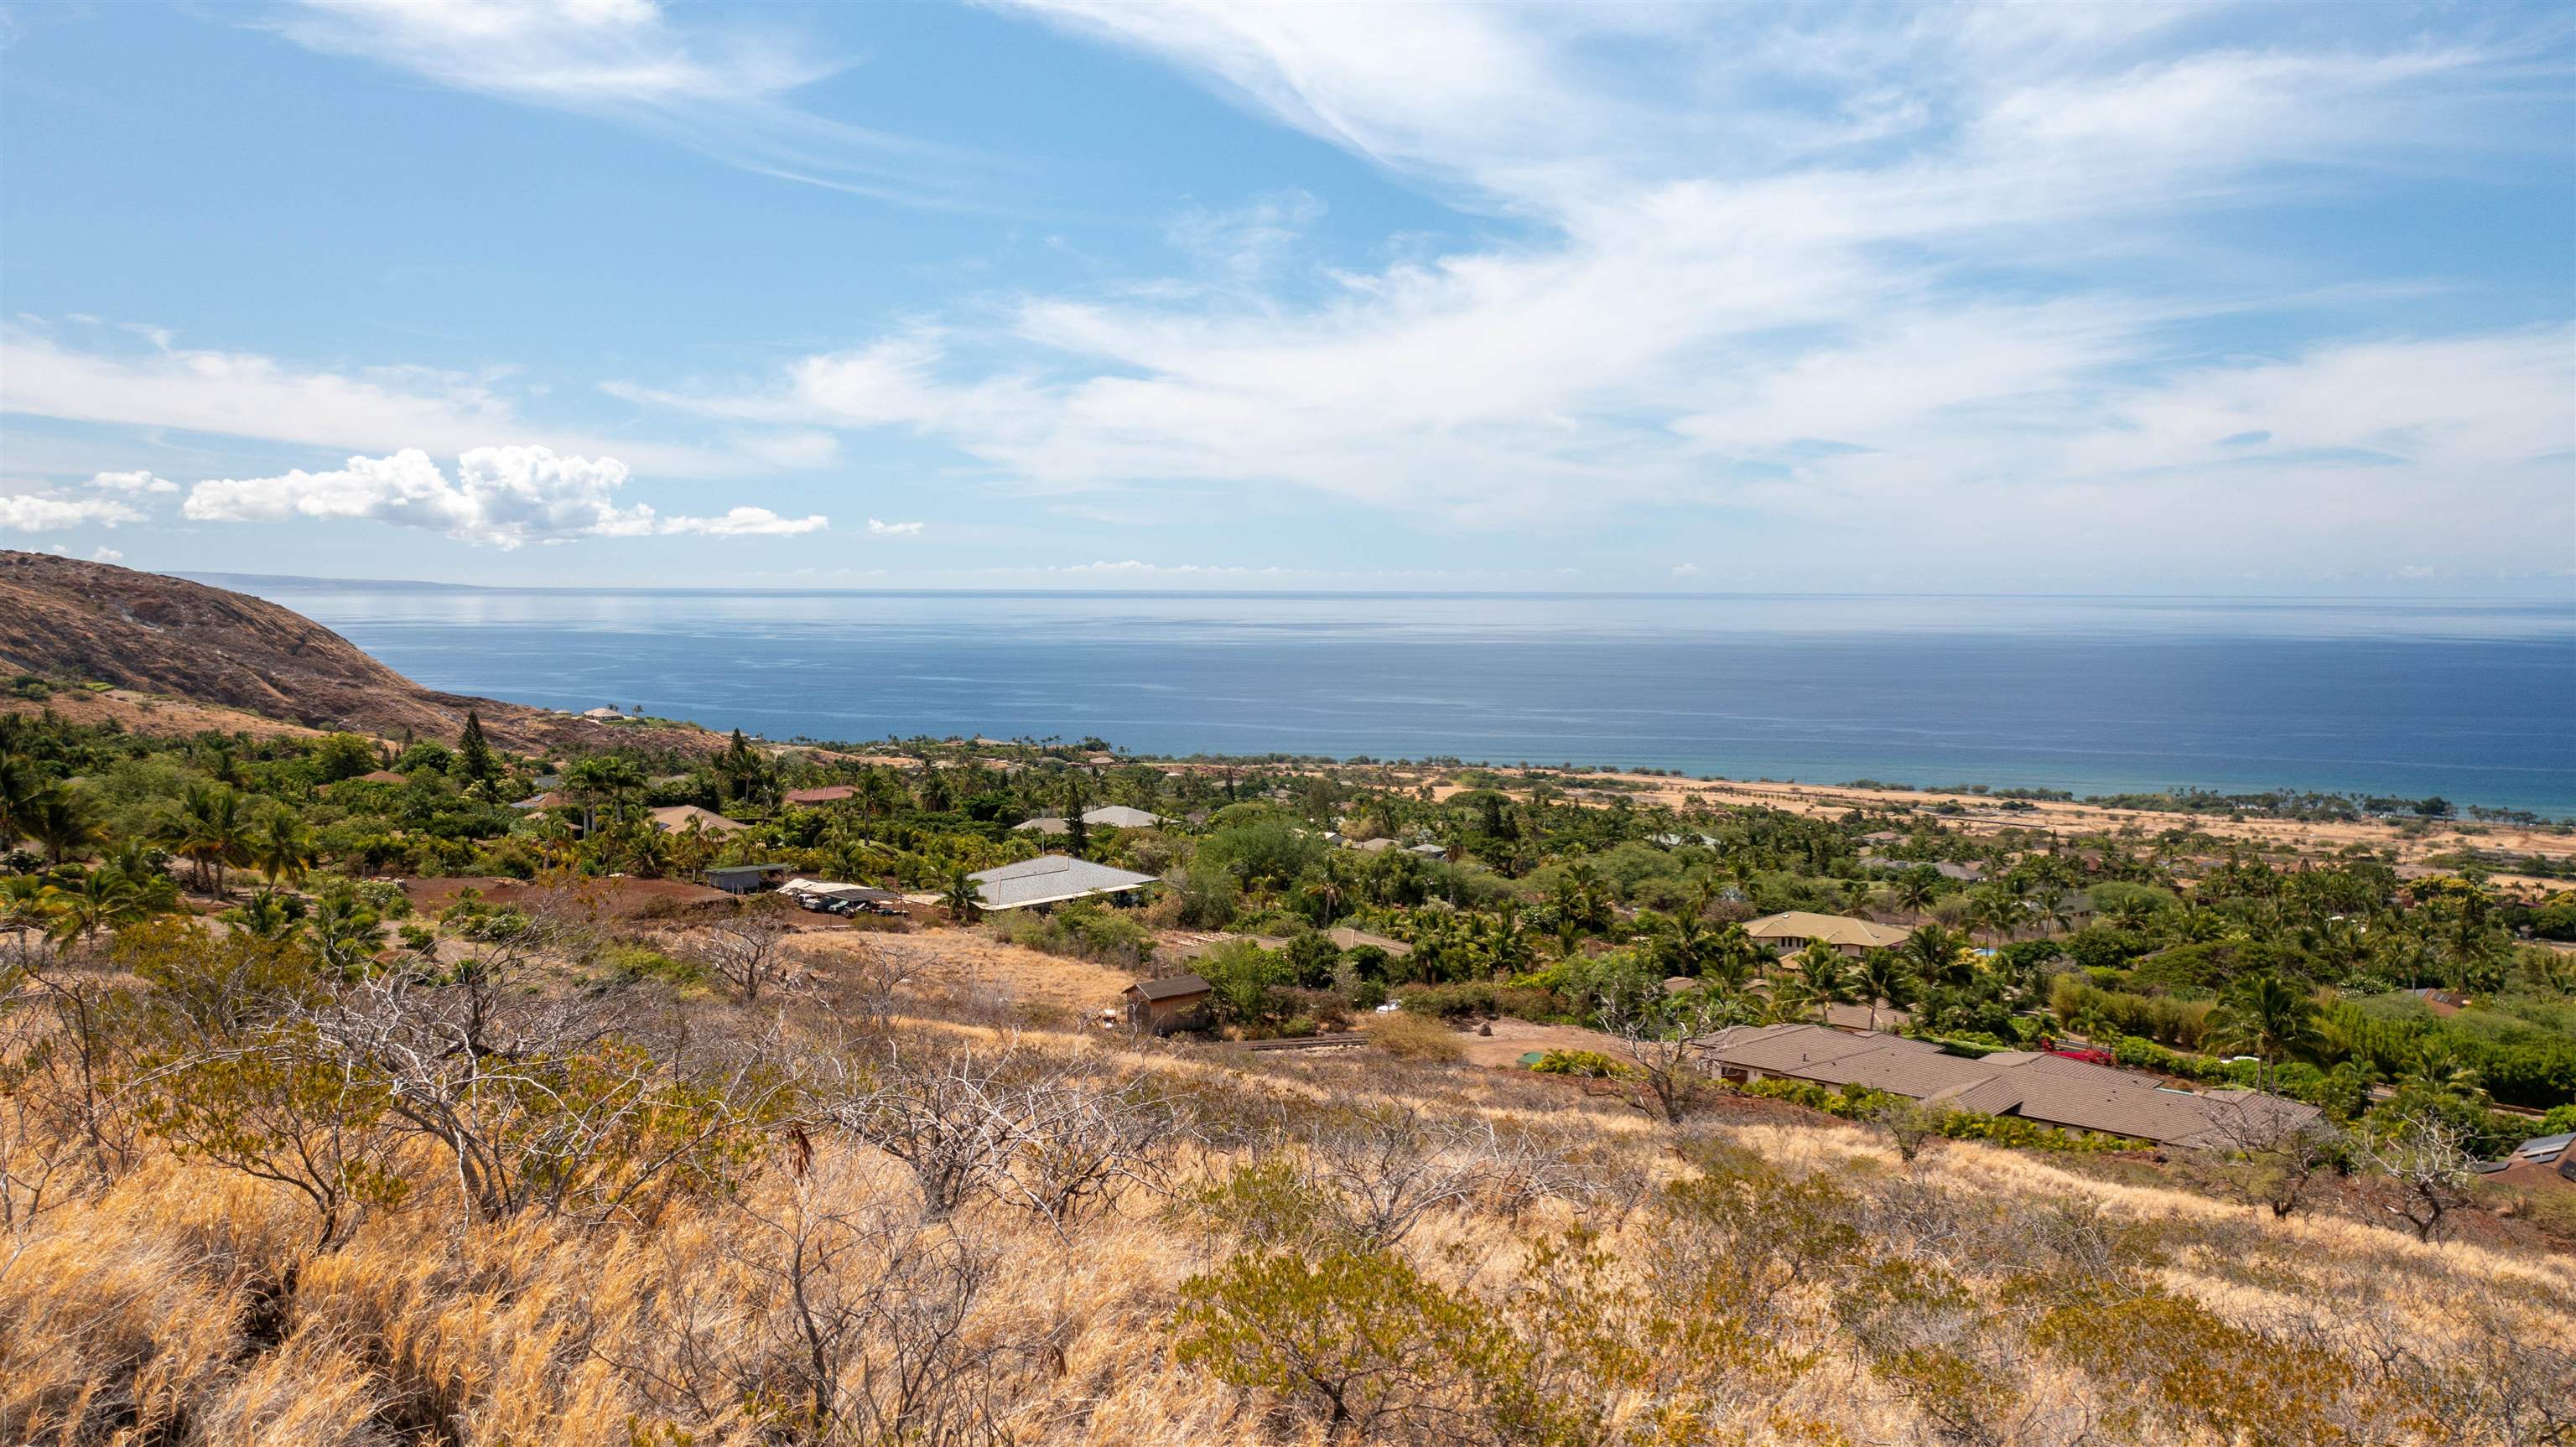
{"points": [[2033, 1085]]}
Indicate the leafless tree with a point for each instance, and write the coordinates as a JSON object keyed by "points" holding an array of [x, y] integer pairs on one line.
{"points": [[553, 1100], [2267, 1156], [746, 949], [2422, 1170], [1046, 1134], [864, 1326], [1657, 1032], [1381, 1169], [68, 1080]]}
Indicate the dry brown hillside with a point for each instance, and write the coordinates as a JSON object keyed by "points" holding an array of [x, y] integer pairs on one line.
{"points": [[901, 1199], [75, 621]]}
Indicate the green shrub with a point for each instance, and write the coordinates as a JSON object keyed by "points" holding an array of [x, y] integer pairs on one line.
{"points": [[1359, 1339], [1590, 1063]]}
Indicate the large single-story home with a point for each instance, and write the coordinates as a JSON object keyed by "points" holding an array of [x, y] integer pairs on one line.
{"points": [[677, 818], [2036, 1086], [828, 794], [1795, 929], [1107, 816], [1119, 816], [1055, 879]]}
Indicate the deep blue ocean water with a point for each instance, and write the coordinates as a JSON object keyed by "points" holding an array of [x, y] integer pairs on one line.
{"points": [[2475, 701]]}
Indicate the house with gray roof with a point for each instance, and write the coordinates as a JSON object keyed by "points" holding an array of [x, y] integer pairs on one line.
{"points": [[1055, 879], [1119, 816]]}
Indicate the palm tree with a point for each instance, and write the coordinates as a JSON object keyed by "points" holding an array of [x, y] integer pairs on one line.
{"points": [[104, 899], [1883, 980], [282, 848], [345, 933], [65, 820], [20, 789], [2134, 912], [146, 869], [1934, 953], [1823, 978], [2268, 1019], [1913, 890], [211, 831], [964, 899], [266, 915], [2054, 907], [27, 902]]}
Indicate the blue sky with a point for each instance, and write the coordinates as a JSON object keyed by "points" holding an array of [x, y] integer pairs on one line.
{"points": [[2063, 298]]}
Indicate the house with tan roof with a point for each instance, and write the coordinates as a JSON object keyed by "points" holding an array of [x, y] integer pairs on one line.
{"points": [[678, 819], [1793, 930]]}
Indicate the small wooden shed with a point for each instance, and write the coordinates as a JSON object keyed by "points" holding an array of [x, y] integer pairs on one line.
{"points": [[1175, 1002]]}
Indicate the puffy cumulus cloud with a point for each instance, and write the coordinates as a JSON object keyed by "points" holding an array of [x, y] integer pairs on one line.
{"points": [[747, 522], [35, 513], [895, 530], [502, 497], [131, 482]]}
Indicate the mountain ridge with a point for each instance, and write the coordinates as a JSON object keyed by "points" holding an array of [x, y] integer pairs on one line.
{"points": [[68, 620]]}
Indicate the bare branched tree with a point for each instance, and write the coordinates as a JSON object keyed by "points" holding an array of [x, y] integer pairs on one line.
{"points": [[1042, 1133], [747, 949], [2422, 1170], [840, 1320], [2267, 1156], [1382, 1168], [1657, 1031]]}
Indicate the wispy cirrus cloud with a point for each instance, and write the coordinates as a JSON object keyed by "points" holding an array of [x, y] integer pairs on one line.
{"points": [[722, 83], [143, 377], [1937, 283]]}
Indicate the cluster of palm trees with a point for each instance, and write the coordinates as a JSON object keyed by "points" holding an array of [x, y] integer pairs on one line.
{"points": [[213, 826], [64, 819], [1760, 986]]}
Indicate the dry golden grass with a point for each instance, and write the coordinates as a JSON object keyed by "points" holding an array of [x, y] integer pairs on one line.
{"points": [[185, 1303]]}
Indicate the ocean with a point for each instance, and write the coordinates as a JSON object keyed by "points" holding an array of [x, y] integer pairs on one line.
{"points": [[2473, 701]]}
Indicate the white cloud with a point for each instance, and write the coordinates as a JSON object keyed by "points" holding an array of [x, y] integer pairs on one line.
{"points": [[502, 497], [244, 394], [897, 530], [1928, 283], [107, 555], [717, 87], [1687, 570], [747, 522], [31, 513], [131, 482]]}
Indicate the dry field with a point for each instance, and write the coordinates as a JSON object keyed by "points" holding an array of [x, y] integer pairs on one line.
{"points": [[1466, 1254]]}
